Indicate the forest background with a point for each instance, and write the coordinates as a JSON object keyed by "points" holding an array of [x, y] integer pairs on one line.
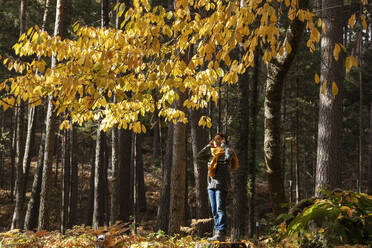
{"points": [[269, 74]]}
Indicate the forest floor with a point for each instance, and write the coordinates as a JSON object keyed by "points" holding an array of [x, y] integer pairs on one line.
{"points": [[113, 235]]}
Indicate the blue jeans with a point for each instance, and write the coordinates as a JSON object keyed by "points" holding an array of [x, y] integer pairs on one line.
{"points": [[217, 199]]}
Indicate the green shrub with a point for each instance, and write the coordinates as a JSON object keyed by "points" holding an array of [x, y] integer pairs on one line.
{"points": [[341, 217]]}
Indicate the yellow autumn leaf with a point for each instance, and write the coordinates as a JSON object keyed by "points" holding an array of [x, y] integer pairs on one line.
{"points": [[334, 89], [351, 21], [364, 23], [288, 47], [336, 51], [348, 210], [316, 78]]}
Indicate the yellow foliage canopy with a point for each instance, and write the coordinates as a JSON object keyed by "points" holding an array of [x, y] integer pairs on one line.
{"points": [[155, 51]]}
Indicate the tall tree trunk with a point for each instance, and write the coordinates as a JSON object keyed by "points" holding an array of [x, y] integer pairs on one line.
{"points": [[91, 188], [31, 216], [65, 180], [369, 188], [199, 138], [45, 200], [297, 137], [125, 169], [360, 170], [29, 140], [164, 200], [115, 178], [141, 191], [329, 155], [32, 213], [240, 177], [2, 150], [74, 178], [156, 141], [18, 215], [252, 167], [134, 184], [99, 189], [13, 155], [178, 175], [276, 71]]}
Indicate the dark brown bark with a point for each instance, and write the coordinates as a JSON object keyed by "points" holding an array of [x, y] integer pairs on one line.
{"points": [[297, 138], [277, 71], [74, 179], [65, 180], [99, 187], [141, 191], [135, 183], [2, 150], [199, 138], [125, 169], [240, 177], [369, 183], [105, 20], [360, 170], [32, 213], [156, 140], [252, 166], [13, 154], [178, 175], [91, 188], [329, 155], [18, 215], [164, 200]]}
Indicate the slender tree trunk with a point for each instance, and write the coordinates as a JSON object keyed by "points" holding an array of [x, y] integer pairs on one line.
{"points": [[99, 189], [13, 155], [360, 170], [18, 216], [125, 169], [57, 155], [178, 176], [91, 188], [65, 180], [252, 167], [276, 72], [164, 200], [141, 191], [45, 200], [2, 150], [115, 178], [297, 138], [74, 179], [369, 189], [29, 140], [240, 177], [329, 155], [32, 213], [135, 184], [156, 142], [199, 138]]}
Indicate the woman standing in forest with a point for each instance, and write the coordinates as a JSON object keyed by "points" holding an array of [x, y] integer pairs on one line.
{"points": [[221, 158]]}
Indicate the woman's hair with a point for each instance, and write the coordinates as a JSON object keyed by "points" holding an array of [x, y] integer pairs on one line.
{"points": [[222, 135]]}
